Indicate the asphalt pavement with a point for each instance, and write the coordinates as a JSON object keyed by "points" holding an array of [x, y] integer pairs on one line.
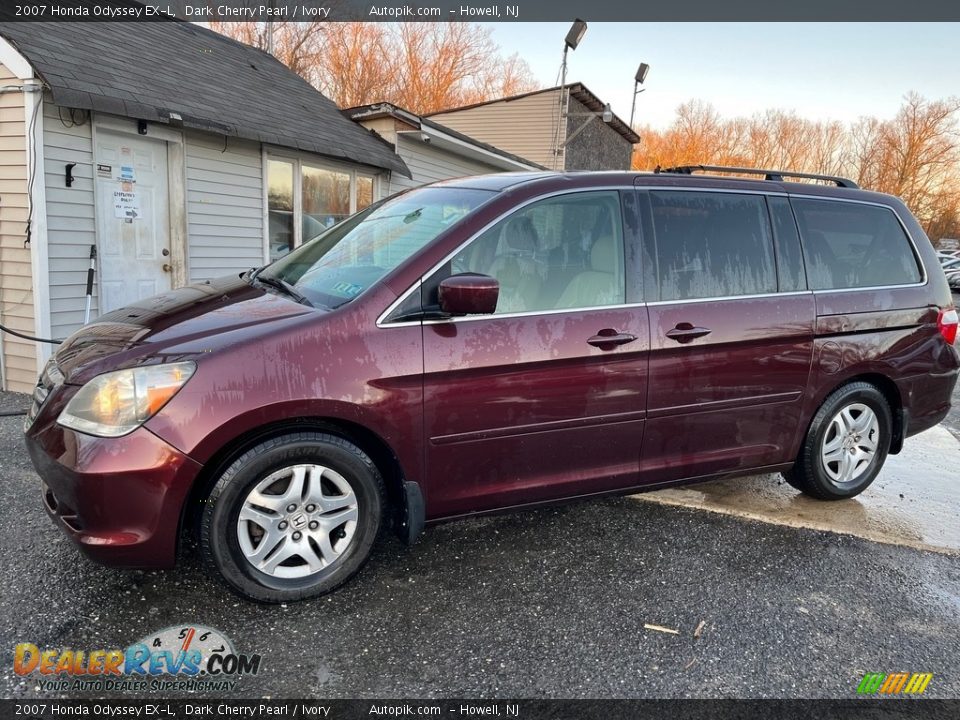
{"points": [[913, 501], [550, 603]]}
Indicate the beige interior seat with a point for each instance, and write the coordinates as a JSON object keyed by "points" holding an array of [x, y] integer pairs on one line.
{"points": [[597, 286], [515, 267]]}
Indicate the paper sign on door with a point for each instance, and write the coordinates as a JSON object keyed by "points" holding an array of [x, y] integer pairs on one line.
{"points": [[126, 204]]}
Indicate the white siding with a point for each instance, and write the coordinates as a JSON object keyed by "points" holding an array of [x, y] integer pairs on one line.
{"points": [[224, 211], [16, 281], [224, 206], [429, 164], [71, 228], [525, 126]]}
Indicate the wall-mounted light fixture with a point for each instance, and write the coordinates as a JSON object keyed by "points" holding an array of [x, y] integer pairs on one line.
{"points": [[606, 115]]}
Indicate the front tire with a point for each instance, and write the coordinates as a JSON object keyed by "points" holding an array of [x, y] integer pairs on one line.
{"points": [[293, 517], [846, 444]]}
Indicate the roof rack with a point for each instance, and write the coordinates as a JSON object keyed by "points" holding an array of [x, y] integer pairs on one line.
{"points": [[777, 175]]}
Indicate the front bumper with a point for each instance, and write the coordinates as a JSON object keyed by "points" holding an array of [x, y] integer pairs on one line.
{"points": [[119, 499]]}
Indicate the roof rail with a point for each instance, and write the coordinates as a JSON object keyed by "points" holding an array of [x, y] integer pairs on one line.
{"points": [[777, 175]]}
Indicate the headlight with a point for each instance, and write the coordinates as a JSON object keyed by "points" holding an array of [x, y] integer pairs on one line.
{"points": [[116, 403]]}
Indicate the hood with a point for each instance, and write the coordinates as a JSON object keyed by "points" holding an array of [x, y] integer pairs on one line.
{"points": [[175, 325]]}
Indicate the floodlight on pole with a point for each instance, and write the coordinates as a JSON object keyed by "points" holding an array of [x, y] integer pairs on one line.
{"points": [[576, 33], [637, 82], [574, 36]]}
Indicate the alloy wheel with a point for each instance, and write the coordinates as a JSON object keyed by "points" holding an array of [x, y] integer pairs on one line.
{"points": [[297, 521], [850, 444]]}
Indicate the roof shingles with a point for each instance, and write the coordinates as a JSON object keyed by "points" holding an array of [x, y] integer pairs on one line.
{"points": [[214, 83]]}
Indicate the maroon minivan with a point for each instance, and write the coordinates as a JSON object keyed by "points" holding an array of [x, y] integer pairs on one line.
{"points": [[497, 342]]}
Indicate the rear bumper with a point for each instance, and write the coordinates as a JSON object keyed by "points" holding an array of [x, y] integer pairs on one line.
{"points": [[927, 397], [119, 499]]}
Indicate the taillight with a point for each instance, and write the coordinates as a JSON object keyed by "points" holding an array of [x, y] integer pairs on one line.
{"points": [[947, 323]]}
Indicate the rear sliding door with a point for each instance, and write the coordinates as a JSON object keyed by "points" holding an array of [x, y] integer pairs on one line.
{"points": [[731, 333]]}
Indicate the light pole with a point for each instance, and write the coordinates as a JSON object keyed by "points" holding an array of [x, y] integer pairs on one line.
{"points": [[574, 36], [637, 82]]}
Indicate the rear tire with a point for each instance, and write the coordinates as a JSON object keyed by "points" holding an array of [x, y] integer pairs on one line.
{"points": [[846, 444], [293, 517]]}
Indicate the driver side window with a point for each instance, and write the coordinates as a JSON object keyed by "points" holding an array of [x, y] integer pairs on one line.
{"points": [[561, 253]]}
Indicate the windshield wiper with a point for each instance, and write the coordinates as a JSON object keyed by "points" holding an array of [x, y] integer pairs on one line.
{"points": [[284, 287]]}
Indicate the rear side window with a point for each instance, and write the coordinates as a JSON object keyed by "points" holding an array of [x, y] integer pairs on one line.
{"points": [[851, 245], [712, 245]]}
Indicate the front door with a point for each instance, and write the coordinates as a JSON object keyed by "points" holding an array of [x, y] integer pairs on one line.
{"points": [[133, 218], [731, 335], [545, 398]]}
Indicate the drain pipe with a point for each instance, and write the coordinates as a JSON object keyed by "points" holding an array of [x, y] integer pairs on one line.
{"points": [[29, 86], [3, 360]]}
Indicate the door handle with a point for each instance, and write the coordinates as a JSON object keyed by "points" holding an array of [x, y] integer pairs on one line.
{"points": [[608, 338], [167, 267], [685, 332]]}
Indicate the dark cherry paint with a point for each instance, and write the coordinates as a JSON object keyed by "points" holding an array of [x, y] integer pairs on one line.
{"points": [[469, 294], [485, 412]]}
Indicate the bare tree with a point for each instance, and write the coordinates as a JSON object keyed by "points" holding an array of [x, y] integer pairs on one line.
{"points": [[915, 155], [423, 67]]}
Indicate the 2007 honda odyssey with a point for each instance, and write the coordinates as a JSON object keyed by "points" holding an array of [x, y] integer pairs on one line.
{"points": [[496, 342]]}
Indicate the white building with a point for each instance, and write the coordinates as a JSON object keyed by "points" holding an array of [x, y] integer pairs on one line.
{"points": [[433, 151], [177, 153]]}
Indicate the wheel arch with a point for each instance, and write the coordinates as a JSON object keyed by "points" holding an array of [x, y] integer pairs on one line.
{"points": [[380, 452], [891, 393]]}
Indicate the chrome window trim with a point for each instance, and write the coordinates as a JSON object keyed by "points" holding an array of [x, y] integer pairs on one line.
{"points": [[530, 313], [725, 298], [381, 323], [624, 306]]}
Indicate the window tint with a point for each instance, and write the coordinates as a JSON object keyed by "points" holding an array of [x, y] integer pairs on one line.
{"points": [[850, 245], [712, 245], [564, 252], [789, 256]]}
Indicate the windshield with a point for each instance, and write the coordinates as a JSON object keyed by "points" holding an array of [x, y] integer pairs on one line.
{"points": [[339, 264]]}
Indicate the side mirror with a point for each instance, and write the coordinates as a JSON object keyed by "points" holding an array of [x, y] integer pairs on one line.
{"points": [[469, 294]]}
